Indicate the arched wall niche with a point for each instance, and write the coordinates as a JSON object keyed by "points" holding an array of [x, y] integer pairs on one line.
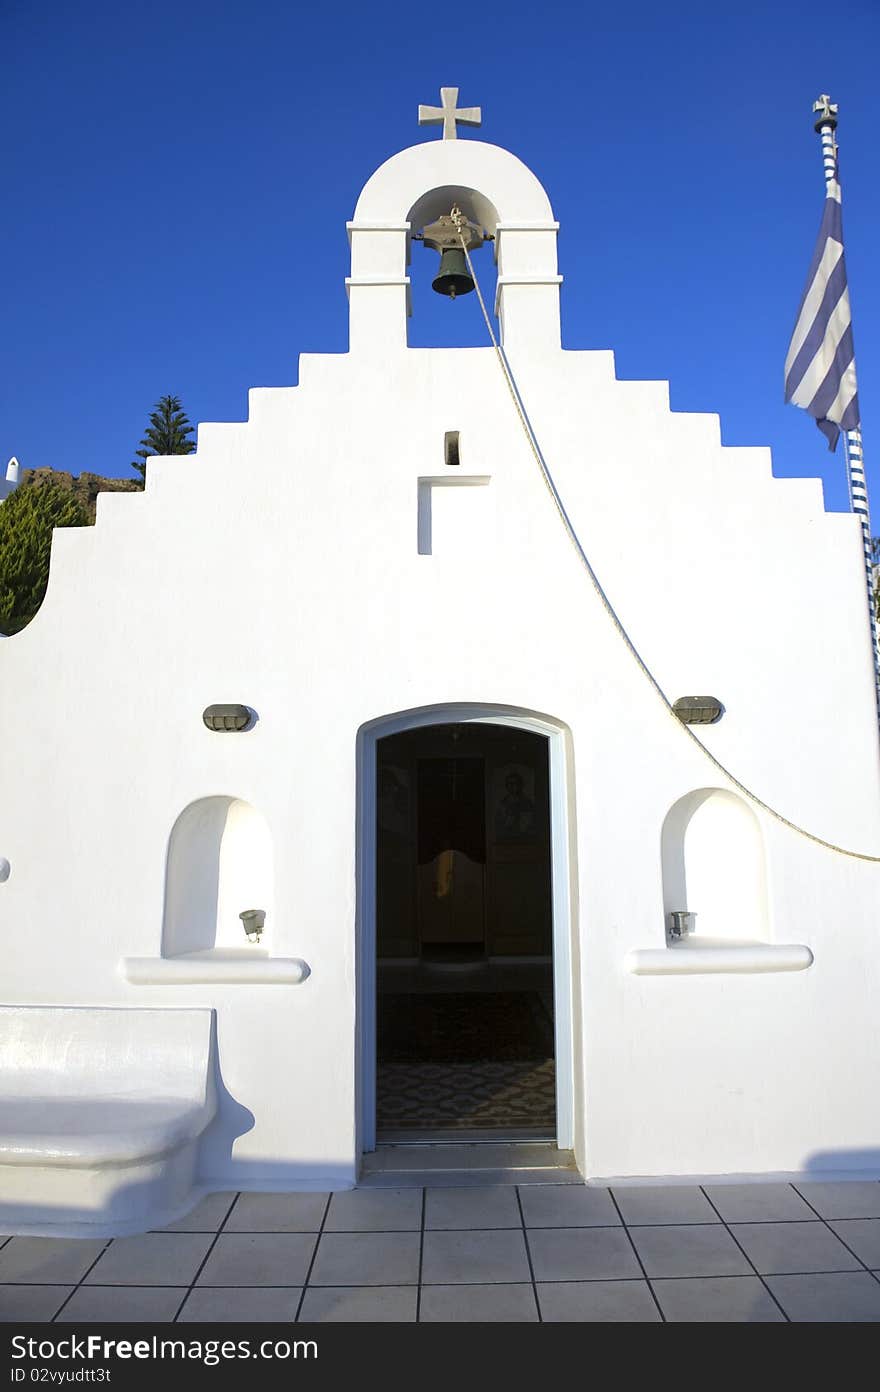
{"points": [[714, 865], [219, 862]]}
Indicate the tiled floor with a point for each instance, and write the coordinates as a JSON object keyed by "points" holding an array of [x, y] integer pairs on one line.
{"points": [[516, 1252]]}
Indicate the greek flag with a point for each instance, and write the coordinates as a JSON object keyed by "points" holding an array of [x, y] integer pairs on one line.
{"points": [[820, 373]]}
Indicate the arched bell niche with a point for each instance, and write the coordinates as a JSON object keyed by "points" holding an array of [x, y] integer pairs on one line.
{"points": [[713, 865], [434, 320], [219, 863], [437, 201]]}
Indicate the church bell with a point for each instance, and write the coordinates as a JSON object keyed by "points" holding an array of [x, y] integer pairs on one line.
{"points": [[445, 235], [453, 278]]}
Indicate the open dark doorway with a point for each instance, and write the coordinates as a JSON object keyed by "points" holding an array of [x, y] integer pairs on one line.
{"points": [[465, 1031]]}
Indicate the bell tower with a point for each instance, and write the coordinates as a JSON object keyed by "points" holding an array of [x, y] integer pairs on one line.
{"points": [[413, 194]]}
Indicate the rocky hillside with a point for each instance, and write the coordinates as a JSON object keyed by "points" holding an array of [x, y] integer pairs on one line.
{"points": [[85, 487]]}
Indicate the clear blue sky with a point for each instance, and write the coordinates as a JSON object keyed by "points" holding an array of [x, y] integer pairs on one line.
{"points": [[177, 178]]}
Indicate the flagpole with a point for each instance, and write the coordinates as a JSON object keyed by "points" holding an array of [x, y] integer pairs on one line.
{"points": [[825, 111]]}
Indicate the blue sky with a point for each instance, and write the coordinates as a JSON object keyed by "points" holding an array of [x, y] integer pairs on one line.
{"points": [[177, 178]]}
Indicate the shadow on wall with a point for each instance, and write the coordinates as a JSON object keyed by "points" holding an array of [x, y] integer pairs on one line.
{"points": [[217, 1161], [713, 865], [230, 1121], [219, 863], [863, 1163]]}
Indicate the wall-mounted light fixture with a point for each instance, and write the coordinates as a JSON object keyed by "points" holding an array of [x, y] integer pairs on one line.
{"points": [[228, 718], [698, 710], [253, 920]]}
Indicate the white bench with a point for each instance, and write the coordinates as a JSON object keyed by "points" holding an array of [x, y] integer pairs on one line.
{"points": [[101, 1111]]}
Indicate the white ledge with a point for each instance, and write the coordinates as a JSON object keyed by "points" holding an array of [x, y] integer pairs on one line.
{"points": [[527, 227], [233, 965], [376, 280], [697, 956], [529, 278], [377, 227]]}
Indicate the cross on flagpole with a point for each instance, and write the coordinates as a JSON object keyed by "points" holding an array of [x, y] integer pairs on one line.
{"points": [[450, 114]]}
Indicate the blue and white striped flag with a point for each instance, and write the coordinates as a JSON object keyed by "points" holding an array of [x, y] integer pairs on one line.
{"points": [[820, 373]]}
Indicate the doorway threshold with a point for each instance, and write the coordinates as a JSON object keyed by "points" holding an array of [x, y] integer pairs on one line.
{"points": [[457, 1164], [464, 1135]]}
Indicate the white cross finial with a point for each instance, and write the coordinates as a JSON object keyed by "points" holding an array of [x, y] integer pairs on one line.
{"points": [[449, 113]]}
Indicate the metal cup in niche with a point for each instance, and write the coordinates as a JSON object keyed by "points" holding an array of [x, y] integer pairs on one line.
{"points": [[253, 920], [681, 923]]}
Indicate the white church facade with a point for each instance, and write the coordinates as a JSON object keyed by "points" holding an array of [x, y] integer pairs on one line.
{"points": [[440, 773]]}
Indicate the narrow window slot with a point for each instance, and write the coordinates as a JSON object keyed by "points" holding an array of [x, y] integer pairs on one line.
{"points": [[451, 452]]}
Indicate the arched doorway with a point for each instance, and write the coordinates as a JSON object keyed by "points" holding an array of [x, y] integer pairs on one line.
{"points": [[465, 987]]}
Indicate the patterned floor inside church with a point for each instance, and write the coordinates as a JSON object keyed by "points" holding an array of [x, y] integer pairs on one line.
{"points": [[470, 1057], [465, 1098]]}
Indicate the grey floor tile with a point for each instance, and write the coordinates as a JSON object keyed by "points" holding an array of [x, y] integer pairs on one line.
{"points": [[492, 1207], [848, 1199], [513, 1304], [863, 1236], [240, 1305], [38, 1303], [664, 1203], [475, 1256], [598, 1302], [360, 1304], [375, 1210], [758, 1203], [366, 1259], [694, 1250], [277, 1213], [568, 1206], [207, 1215], [581, 1254], [151, 1259], [718, 1300], [258, 1259], [843, 1297], [47, 1261], [122, 1303], [793, 1247]]}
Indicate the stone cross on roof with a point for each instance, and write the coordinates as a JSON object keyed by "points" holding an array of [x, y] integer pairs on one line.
{"points": [[449, 114]]}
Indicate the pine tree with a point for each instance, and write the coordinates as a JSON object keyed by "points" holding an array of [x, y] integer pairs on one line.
{"points": [[167, 433], [27, 518]]}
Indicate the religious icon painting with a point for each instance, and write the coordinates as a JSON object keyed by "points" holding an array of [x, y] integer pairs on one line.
{"points": [[513, 803]]}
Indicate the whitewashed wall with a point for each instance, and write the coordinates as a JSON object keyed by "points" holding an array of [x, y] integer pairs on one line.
{"points": [[279, 567]]}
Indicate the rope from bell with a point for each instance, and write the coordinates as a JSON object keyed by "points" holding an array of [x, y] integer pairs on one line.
{"points": [[507, 371]]}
